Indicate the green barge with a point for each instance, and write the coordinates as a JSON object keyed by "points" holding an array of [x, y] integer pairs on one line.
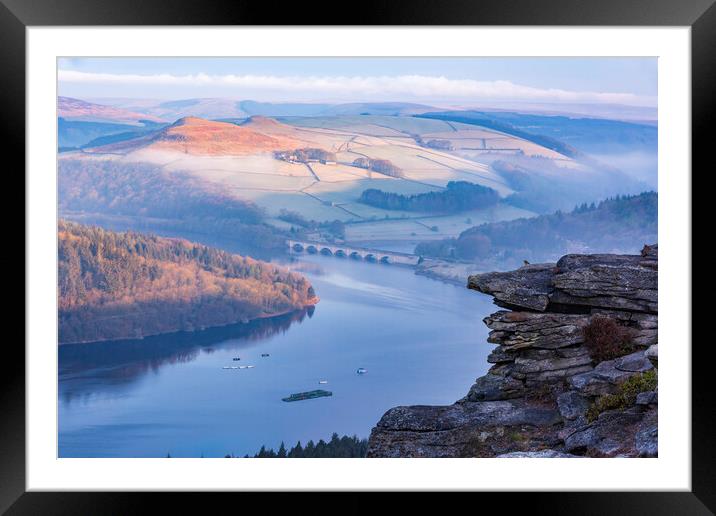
{"points": [[318, 393]]}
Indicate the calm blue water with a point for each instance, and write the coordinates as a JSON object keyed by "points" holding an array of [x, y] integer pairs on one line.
{"points": [[422, 341]]}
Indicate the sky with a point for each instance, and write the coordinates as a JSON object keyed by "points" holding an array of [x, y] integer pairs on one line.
{"points": [[437, 81]]}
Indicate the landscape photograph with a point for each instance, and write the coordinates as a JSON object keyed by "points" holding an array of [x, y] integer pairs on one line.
{"points": [[397, 257]]}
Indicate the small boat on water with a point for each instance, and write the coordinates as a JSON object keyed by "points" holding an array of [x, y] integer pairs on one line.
{"points": [[264, 354], [322, 382], [318, 393], [236, 358], [362, 370]]}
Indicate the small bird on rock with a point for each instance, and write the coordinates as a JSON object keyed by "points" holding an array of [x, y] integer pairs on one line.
{"points": [[525, 262]]}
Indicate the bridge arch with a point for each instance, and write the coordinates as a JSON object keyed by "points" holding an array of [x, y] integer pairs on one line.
{"points": [[344, 250]]}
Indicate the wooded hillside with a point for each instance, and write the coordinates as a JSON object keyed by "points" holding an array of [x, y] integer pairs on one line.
{"points": [[458, 196], [622, 223], [129, 285]]}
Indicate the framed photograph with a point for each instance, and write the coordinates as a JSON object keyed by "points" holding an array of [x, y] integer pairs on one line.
{"points": [[419, 252]]}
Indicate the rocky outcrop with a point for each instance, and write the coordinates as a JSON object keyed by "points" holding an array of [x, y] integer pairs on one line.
{"points": [[579, 282], [607, 376], [482, 429], [545, 395]]}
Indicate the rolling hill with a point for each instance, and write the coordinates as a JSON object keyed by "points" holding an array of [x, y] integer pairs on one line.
{"points": [[197, 136], [275, 164], [241, 161], [590, 135], [225, 108], [212, 108], [76, 109]]}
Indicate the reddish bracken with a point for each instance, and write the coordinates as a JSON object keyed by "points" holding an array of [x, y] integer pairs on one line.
{"points": [[605, 339]]}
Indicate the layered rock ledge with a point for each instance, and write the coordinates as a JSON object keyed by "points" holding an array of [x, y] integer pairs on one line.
{"points": [[550, 392]]}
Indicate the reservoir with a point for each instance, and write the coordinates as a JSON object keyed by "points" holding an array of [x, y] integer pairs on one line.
{"points": [[420, 341]]}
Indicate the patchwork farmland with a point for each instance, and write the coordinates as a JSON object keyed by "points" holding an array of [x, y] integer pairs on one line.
{"points": [[240, 160]]}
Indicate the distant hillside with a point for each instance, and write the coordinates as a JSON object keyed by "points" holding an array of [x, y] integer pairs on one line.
{"points": [[378, 108], [77, 134], [590, 135], [623, 223], [197, 136], [175, 202], [252, 107], [210, 108], [542, 187], [76, 109], [129, 285], [223, 108], [269, 126], [488, 120], [571, 136]]}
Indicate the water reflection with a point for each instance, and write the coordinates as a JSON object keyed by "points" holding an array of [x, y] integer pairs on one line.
{"points": [[104, 367], [422, 342]]}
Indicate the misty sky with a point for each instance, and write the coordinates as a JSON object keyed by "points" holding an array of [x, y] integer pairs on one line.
{"points": [[626, 81]]}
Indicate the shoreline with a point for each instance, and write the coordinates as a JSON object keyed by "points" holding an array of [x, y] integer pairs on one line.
{"points": [[453, 273], [232, 323]]}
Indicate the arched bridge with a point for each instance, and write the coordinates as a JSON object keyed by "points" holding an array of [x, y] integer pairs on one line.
{"points": [[351, 252]]}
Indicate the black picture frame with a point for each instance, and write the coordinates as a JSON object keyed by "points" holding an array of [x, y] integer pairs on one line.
{"points": [[17, 15]]}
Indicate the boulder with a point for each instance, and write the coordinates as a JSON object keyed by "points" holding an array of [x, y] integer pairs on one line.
{"points": [[646, 440], [647, 398], [500, 356], [618, 282], [610, 435], [634, 363], [465, 429], [493, 387], [572, 405], [606, 377], [533, 363], [518, 330], [527, 287], [426, 418]]}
